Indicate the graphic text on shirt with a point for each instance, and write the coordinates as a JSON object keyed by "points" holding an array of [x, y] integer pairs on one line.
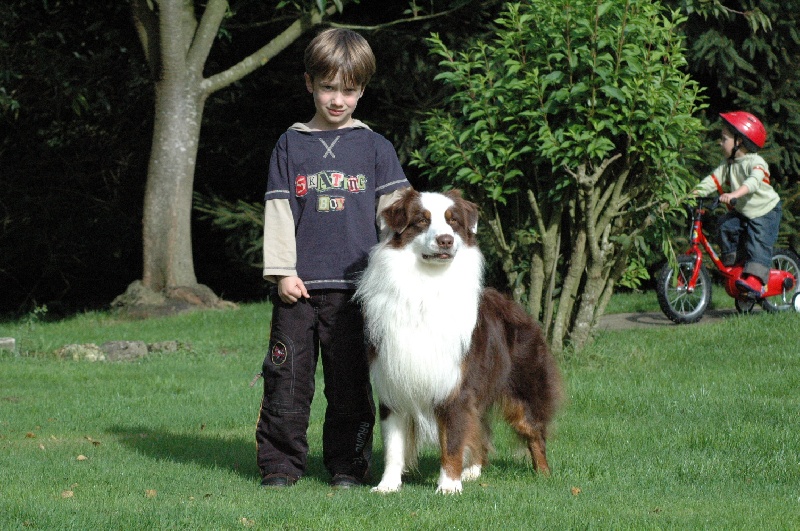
{"points": [[325, 181]]}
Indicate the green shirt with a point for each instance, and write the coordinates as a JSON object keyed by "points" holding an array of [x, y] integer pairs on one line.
{"points": [[749, 170]]}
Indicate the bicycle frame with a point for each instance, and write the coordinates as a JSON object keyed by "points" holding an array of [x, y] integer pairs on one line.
{"points": [[778, 280]]}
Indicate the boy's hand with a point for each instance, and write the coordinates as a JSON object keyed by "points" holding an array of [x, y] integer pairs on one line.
{"points": [[290, 289]]}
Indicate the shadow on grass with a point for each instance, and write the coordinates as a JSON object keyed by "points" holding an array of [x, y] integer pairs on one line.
{"points": [[236, 455], [239, 455]]}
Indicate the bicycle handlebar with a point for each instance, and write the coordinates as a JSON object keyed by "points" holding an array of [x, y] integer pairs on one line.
{"points": [[715, 202]]}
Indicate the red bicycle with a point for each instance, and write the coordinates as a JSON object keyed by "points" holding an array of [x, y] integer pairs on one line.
{"points": [[684, 292]]}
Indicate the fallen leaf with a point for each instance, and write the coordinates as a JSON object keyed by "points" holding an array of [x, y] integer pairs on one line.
{"points": [[81, 458], [96, 443], [41, 446], [30, 435], [67, 494], [150, 493], [575, 491], [247, 522]]}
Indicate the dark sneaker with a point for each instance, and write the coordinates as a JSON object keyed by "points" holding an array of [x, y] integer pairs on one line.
{"points": [[278, 480], [343, 481], [751, 286], [728, 259]]}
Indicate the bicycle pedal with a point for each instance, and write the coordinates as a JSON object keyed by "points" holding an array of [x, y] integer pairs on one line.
{"points": [[749, 290]]}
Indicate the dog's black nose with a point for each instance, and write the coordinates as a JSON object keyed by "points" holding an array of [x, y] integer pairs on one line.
{"points": [[445, 241]]}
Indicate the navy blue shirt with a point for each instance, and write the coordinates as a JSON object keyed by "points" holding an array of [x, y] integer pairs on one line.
{"points": [[333, 180]]}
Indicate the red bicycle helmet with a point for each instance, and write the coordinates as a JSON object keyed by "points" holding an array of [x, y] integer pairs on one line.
{"points": [[748, 126]]}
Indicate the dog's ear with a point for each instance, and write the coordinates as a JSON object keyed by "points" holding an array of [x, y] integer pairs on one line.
{"points": [[472, 216], [470, 209], [397, 215], [473, 219]]}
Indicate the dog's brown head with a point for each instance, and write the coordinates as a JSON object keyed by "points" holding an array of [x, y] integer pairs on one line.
{"points": [[435, 225]]}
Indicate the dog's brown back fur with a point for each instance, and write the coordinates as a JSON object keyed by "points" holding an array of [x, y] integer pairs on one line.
{"points": [[508, 363]]}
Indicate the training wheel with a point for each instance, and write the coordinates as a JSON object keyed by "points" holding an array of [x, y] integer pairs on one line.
{"points": [[796, 301]]}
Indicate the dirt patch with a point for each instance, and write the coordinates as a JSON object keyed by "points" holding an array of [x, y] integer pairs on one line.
{"points": [[140, 302], [625, 321]]}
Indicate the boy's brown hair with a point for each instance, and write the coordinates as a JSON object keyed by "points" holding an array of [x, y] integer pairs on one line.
{"points": [[338, 50]]}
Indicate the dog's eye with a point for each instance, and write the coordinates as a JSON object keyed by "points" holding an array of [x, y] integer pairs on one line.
{"points": [[451, 218], [423, 222]]}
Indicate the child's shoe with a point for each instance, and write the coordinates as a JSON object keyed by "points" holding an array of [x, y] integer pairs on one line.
{"points": [[728, 259], [751, 286], [278, 480]]}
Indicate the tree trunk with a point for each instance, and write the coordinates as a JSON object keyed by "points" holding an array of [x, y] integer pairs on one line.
{"points": [[167, 238], [590, 296], [569, 291]]}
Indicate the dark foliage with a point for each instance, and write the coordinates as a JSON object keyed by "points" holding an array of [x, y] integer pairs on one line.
{"points": [[74, 141]]}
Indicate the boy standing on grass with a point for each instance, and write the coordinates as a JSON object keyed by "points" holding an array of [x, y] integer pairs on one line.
{"points": [[743, 178], [328, 180]]}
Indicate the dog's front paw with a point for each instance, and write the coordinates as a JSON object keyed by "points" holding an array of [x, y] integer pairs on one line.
{"points": [[448, 486], [385, 488], [392, 478]]}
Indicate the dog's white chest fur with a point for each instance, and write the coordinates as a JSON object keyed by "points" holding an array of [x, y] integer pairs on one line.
{"points": [[420, 315], [422, 330]]}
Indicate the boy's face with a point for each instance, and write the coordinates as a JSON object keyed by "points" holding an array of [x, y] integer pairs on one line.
{"points": [[727, 142], [334, 102]]}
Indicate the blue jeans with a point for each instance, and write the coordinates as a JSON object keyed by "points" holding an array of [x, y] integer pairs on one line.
{"points": [[751, 239]]}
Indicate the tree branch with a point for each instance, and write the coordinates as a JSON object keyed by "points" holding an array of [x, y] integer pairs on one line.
{"points": [[536, 212], [205, 34], [262, 56], [416, 18], [146, 23]]}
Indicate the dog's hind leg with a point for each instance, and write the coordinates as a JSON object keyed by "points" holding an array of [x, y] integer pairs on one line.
{"points": [[395, 429], [472, 467], [538, 450], [476, 452], [532, 431]]}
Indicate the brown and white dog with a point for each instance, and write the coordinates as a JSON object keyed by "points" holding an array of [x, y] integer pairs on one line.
{"points": [[443, 349]]}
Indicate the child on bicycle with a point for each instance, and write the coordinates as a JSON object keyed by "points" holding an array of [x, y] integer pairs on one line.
{"points": [[742, 180]]}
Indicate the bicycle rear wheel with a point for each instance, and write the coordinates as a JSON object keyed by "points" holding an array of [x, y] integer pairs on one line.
{"points": [[678, 303], [785, 260]]}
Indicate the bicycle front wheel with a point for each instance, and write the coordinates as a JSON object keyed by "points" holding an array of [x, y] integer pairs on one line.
{"points": [[678, 303], [785, 260]]}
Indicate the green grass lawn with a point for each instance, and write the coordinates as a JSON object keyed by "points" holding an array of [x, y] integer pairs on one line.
{"points": [[669, 427]]}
